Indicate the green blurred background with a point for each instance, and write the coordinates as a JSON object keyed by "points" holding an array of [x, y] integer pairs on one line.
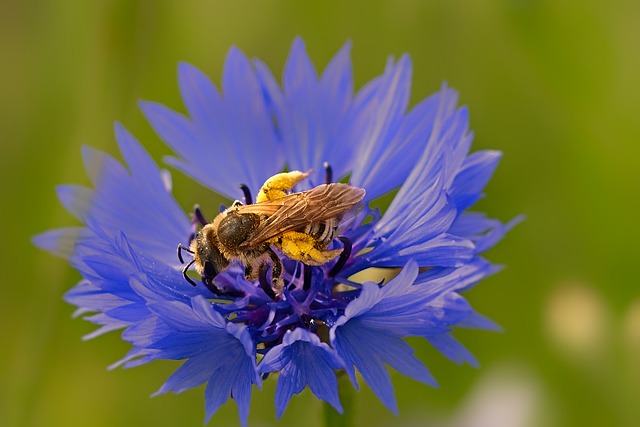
{"points": [[553, 84]]}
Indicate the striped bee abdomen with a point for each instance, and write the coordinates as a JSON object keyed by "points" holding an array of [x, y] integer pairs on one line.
{"points": [[322, 232]]}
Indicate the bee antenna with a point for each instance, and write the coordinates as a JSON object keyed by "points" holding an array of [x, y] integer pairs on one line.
{"points": [[180, 249], [186, 276], [328, 173], [247, 194]]}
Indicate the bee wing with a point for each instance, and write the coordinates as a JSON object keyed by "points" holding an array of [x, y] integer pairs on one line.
{"points": [[298, 210]]}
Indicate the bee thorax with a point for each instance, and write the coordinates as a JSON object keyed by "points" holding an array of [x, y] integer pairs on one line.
{"points": [[234, 229]]}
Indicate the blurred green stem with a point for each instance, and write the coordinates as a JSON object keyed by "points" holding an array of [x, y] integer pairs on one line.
{"points": [[333, 418]]}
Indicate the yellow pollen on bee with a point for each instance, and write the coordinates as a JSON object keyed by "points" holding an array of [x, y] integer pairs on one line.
{"points": [[278, 185], [302, 247], [294, 244]]}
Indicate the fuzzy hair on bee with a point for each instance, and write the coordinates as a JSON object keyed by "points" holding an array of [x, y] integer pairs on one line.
{"points": [[300, 225]]}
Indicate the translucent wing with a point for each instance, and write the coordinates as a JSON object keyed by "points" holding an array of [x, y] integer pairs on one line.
{"points": [[298, 210]]}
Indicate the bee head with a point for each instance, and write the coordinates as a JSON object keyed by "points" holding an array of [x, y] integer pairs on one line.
{"points": [[208, 259], [235, 228]]}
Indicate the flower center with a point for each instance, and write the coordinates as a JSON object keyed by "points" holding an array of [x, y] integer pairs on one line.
{"points": [[280, 273]]}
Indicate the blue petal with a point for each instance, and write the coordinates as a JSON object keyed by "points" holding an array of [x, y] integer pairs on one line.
{"points": [[417, 222], [115, 273], [232, 379], [473, 177], [300, 77], [76, 199], [370, 333], [194, 317], [230, 140], [457, 279], [60, 242], [145, 333], [336, 83], [192, 373], [355, 349], [179, 133], [386, 107], [136, 203], [108, 325], [445, 250], [181, 317], [303, 360], [311, 114], [484, 232], [368, 338], [200, 96], [90, 297], [222, 356], [452, 349], [477, 321]]}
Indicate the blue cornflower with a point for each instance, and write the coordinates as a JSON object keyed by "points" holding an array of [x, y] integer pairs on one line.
{"points": [[233, 333]]}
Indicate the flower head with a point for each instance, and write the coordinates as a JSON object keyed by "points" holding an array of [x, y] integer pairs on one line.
{"points": [[233, 329]]}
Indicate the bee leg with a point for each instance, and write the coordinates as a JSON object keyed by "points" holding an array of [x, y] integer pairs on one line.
{"points": [[248, 271], [278, 185], [277, 283], [252, 266], [264, 283]]}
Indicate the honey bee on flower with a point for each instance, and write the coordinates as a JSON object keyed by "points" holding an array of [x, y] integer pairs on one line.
{"points": [[300, 225]]}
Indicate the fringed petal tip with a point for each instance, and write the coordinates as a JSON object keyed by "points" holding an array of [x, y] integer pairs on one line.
{"points": [[60, 242]]}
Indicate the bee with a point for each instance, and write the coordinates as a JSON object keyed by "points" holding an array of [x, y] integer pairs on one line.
{"points": [[300, 225]]}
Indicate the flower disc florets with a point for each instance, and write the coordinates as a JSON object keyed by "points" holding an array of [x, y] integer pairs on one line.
{"points": [[231, 331]]}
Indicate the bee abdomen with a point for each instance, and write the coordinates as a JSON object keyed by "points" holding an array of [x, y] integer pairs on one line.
{"points": [[322, 232]]}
